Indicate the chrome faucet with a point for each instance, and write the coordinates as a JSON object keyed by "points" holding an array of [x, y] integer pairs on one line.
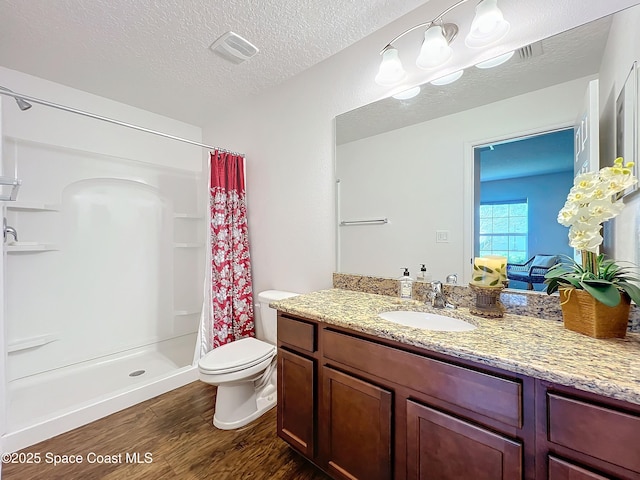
{"points": [[7, 230], [438, 299], [452, 279]]}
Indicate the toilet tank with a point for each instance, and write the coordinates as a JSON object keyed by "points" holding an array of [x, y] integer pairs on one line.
{"points": [[266, 324]]}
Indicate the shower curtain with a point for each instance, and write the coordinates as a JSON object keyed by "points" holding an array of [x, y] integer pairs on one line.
{"points": [[228, 311]]}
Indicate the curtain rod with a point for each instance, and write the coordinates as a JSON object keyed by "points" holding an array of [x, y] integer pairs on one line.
{"points": [[111, 120]]}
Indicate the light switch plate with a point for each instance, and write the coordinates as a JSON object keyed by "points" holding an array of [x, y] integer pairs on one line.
{"points": [[442, 236]]}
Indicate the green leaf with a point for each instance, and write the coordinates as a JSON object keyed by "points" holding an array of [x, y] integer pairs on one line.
{"points": [[604, 292], [598, 283], [605, 284], [573, 281], [631, 275], [554, 273], [485, 269], [632, 290], [552, 286], [626, 278]]}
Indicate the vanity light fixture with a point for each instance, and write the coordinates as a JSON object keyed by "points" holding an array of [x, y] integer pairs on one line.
{"points": [[391, 71], [407, 94], [435, 50], [447, 79], [488, 27]]}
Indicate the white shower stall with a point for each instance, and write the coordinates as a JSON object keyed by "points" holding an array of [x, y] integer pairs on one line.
{"points": [[103, 289]]}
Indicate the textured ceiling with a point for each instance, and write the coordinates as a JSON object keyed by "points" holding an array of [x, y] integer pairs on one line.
{"points": [[155, 54], [538, 155]]}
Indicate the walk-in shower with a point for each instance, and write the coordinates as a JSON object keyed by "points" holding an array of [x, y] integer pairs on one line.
{"points": [[103, 290]]}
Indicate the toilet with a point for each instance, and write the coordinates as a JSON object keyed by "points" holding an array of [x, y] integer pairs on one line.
{"points": [[245, 370]]}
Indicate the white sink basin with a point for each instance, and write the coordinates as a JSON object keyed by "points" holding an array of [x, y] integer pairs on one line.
{"points": [[427, 321]]}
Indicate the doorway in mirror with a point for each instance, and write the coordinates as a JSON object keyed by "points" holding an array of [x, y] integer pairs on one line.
{"points": [[521, 186]]}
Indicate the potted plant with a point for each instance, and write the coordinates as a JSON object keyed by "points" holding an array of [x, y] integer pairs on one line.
{"points": [[595, 295]]}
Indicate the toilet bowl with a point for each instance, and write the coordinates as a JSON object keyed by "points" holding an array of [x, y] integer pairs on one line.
{"points": [[245, 370]]}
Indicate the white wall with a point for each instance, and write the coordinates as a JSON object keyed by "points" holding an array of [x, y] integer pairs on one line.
{"points": [[53, 127], [414, 176], [623, 48], [287, 134]]}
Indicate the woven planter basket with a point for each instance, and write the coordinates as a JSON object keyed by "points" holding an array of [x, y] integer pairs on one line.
{"points": [[582, 313]]}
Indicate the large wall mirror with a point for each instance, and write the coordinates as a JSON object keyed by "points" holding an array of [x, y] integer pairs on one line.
{"points": [[413, 174]]}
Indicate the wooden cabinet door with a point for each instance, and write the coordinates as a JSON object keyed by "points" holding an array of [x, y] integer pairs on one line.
{"points": [[442, 447], [563, 470], [296, 402], [358, 427]]}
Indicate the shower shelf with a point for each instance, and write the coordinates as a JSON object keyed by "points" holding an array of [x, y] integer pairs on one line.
{"points": [[188, 245], [34, 206], [31, 342], [189, 216], [184, 313], [31, 247]]}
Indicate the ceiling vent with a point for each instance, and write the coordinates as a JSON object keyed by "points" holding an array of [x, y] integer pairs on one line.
{"points": [[234, 48], [530, 51]]}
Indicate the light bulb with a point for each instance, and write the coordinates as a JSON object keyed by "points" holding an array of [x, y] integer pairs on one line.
{"points": [[407, 94], [391, 71], [488, 25], [494, 62], [447, 79], [435, 49]]}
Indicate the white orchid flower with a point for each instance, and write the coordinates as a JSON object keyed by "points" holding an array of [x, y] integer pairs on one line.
{"points": [[584, 239], [591, 201]]}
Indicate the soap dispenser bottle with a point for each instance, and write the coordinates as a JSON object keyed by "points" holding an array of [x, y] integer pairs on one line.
{"points": [[428, 278], [423, 270], [406, 285], [424, 275]]}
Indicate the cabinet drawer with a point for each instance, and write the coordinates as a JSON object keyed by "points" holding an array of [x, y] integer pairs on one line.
{"points": [[600, 432], [297, 333], [563, 470], [488, 395]]}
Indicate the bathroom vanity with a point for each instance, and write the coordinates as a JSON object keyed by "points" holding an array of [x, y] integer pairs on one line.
{"points": [[516, 398]]}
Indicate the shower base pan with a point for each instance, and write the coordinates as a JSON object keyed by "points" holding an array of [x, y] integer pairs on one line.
{"points": [[48, 404]]}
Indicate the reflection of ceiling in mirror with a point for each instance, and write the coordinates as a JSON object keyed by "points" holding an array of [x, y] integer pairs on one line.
{"points": [[570, 55], [525, 157]]}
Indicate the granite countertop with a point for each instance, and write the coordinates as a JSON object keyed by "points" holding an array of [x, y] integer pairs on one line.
{"points": [[532, 346]]}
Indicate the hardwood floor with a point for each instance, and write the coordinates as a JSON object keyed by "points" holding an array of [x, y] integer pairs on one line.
{"points": [[176, 434]]}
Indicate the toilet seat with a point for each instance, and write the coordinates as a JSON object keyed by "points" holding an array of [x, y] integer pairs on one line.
{"points": [[236, 356]]}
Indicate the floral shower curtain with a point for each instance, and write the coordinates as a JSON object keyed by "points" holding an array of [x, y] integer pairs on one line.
{"points": [[228, 312]]}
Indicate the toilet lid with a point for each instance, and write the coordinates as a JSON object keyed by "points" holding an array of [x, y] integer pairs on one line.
{"points": [[235, 356]]}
